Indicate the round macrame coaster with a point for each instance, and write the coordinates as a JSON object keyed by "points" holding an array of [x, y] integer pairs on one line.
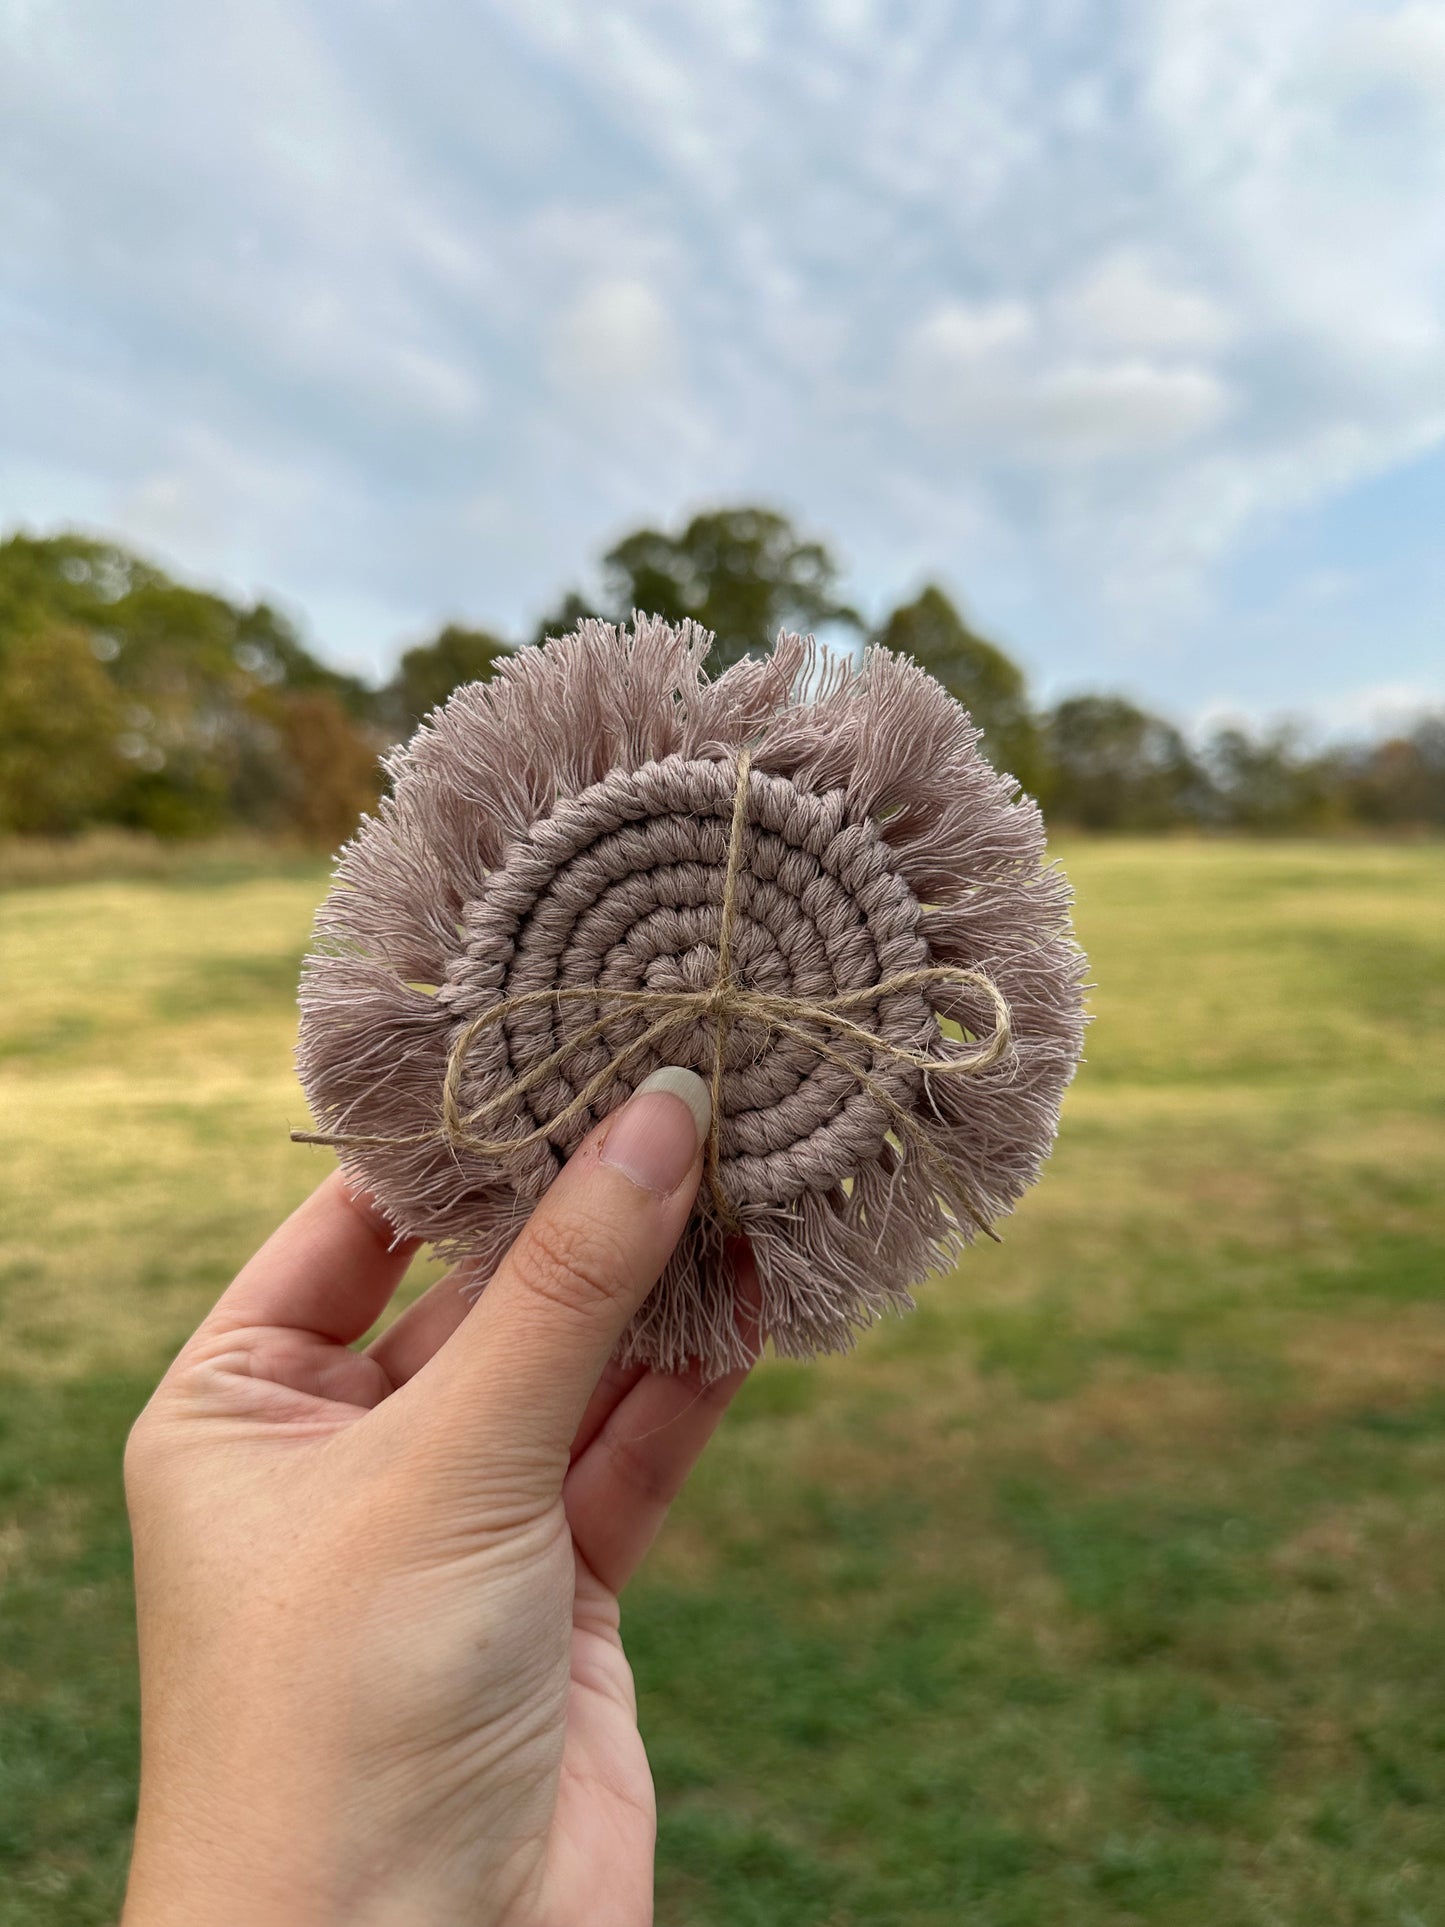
{"points": [[801, 880]]}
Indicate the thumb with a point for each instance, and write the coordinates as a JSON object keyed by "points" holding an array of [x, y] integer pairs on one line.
{"points": [[508, 1389]]}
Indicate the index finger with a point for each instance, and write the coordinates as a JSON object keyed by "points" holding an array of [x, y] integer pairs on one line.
{"points": [[331, 1268]]}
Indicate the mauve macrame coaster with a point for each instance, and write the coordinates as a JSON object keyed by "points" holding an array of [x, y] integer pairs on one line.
{"points": [[889, 1006]]}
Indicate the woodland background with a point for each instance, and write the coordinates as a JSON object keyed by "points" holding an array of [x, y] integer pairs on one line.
{"points": [[133, 700]]}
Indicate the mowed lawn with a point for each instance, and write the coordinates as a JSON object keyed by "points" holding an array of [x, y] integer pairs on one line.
{"points": [[1109, 1587]]}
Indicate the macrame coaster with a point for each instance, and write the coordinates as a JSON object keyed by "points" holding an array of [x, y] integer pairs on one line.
{"points": [[800, 879]]}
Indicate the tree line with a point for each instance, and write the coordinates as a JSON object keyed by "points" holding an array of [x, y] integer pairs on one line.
{"points": [[127, 697]]}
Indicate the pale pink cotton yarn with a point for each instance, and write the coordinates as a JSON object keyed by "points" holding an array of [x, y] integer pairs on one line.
{"points": [[566, 825]]}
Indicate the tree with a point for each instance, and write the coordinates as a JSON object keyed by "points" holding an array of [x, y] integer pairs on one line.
{"points": [[428, 674], [196, 682], [744, 573], [988, 683], [1269, 783], [332, 766], [103, 587], [1402, 780], [268, 647], [60, 733], [65, 578], [1111, 766]]}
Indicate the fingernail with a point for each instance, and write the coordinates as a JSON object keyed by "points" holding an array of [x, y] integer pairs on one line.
{"points": [[654, 1137]]}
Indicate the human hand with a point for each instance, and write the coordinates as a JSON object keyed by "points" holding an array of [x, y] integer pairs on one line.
{"points": [[382, 1679]]}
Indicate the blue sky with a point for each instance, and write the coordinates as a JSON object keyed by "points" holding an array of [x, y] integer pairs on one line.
{"points": [[1125, 321]]}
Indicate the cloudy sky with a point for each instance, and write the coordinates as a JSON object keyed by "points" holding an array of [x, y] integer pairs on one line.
{"points": [[1125, 319]]}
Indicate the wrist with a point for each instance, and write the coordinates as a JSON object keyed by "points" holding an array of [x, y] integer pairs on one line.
{"points": [[175, 1880], [284, 1876]]}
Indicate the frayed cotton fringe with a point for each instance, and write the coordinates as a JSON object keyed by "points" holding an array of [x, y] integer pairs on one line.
{"points": [[377, 1022]]}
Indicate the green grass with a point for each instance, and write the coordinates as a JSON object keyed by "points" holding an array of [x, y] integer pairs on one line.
{"points": [[1108, 1588]]}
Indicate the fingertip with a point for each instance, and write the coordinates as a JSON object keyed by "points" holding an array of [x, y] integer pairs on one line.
{"points": [[655, 1139], [355, 1196]]}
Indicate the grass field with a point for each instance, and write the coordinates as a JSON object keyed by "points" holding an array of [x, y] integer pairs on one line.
{"points": [[1109, 1587]]}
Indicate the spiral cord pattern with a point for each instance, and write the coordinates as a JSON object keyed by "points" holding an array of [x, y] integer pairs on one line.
{"points": [[566, 828], [622, 888]]}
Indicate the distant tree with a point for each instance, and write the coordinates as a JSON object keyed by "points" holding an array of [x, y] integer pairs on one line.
{"points": [[268, 647], [986, 681], [127, 696], [103, 587], [196, 681], [60, 732], [1111, 766], [332, 768], [202, 751], [65, 578], [743, 572], [428, 674], [1401, 782], [1270, 783]]}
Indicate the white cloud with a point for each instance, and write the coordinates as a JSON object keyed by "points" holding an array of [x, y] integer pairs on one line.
{"points": [[1124, 301], [434, 383], [979, 377], [1108, 409], [1406, 46], [615, 340], [1321, 198], [961, 332], [853, 22]]}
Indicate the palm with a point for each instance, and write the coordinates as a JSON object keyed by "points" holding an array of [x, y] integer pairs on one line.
{"points": [[604, 1823]]}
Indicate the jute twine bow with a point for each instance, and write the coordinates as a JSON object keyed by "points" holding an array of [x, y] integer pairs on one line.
{"points": [[725, 1001]]}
